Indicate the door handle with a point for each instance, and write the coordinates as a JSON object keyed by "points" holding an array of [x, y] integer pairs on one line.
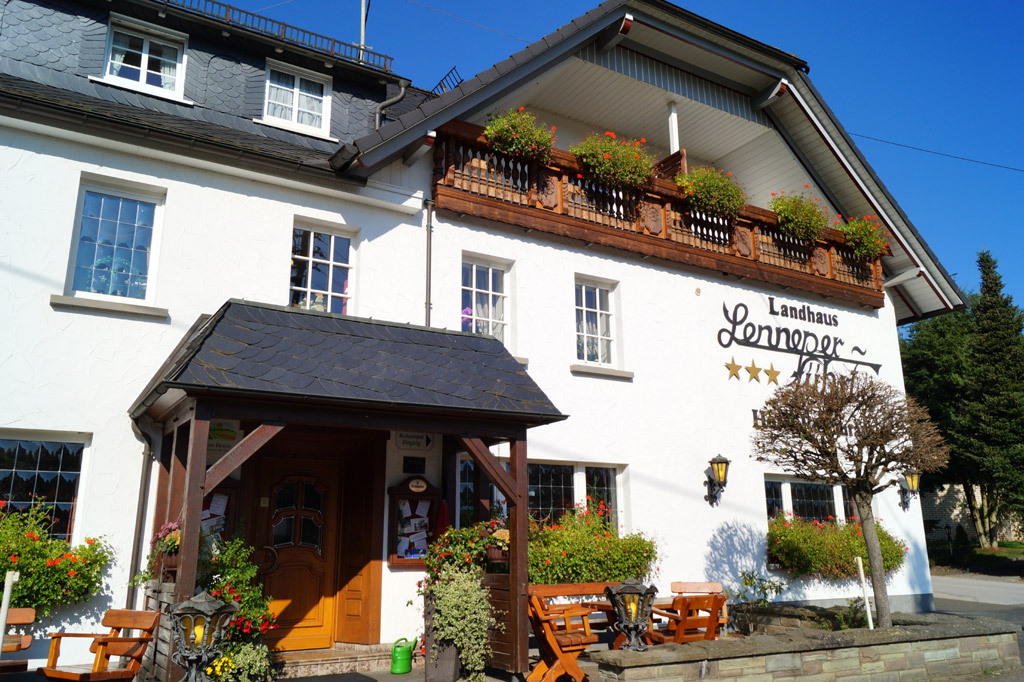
{"points": [[273, 563]]}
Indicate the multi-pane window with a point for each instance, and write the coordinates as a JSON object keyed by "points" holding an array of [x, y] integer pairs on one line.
{"points": [[44, 473], [593, 323], [297, 99], [115, 239], [813, 501], [321, 270], [806, 500], [484, 301], [551, 491], [773, 498], [149, 63], [600, 483]]}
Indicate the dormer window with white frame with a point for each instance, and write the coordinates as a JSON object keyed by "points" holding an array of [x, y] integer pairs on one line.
{"points": [[297, 99], [150, 60]]}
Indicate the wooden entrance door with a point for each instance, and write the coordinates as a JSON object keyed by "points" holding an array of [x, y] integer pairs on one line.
{"points": [[298, 526]]}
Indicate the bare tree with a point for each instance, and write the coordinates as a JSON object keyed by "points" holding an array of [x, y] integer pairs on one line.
{"points": [[856, 431]]}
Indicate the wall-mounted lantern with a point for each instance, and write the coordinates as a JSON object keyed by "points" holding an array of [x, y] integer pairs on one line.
{"points": [[717, 479], [913, 481]]}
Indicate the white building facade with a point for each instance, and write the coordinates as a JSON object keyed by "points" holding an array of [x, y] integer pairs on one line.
{"points": [[134, 202]]}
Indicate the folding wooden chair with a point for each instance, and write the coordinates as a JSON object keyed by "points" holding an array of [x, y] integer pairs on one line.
{"points": [[563, 633], [687, 588], [690, 619], [105, 646]]}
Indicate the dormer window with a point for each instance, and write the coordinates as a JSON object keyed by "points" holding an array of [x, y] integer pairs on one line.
{"points": [[149, 61], [297, 99]]}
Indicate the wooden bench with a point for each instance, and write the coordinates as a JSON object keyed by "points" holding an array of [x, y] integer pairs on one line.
{"points": [[15, 643], [684, 589], [131, 649], [563, 631]]}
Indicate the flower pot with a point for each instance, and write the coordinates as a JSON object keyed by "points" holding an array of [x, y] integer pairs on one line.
{"points": [[441, 664], [169, 569], [496, 554]]}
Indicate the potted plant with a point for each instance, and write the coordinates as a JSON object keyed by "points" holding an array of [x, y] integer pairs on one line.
{"points": [[865, 234], [798, 216], [606, 160], [163, 553], [516, 133], [458, 614], [712, 192]]}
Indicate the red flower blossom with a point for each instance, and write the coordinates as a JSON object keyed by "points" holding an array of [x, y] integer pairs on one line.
{"points": [[643, 140], [72, 573], [13, 559], [607, 156], [521, 108], [610, 134], [89, 541]]}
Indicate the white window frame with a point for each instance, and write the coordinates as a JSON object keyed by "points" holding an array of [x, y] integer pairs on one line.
{"points": [[126, 190], [146, 32], [324, 129], [614, 329], [503, 266], [345, 232]]}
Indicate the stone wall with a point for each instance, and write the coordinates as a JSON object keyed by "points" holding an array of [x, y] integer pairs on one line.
{"points": [[919, 648]]}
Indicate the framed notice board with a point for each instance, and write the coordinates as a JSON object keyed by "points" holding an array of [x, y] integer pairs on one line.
{"points": [[412, 520]]}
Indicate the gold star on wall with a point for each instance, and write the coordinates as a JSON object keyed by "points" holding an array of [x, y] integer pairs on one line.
{"points": [[734, 369], [754, 371], [773, 374]]}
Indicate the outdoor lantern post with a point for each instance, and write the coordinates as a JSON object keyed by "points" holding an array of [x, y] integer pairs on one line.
{"points": [[631, 604], [717, 479], [198, 626], [913, 478]]}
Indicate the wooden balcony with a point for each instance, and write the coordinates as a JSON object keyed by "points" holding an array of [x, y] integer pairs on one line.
{"points": [[472, 180]]}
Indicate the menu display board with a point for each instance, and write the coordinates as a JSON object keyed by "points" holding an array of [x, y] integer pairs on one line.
{"points": [[411, 521]]}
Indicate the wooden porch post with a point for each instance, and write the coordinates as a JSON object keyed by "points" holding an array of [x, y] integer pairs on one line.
{"points": [[192, 506], [518, 563]]}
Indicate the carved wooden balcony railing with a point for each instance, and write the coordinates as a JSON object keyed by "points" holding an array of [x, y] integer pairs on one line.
{"points": [[470, 179]]}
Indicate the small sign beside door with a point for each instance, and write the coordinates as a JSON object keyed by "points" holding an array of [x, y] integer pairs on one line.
{"points": [[413, 441]]}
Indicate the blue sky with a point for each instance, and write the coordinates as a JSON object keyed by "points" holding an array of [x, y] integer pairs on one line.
{"points": [[937, 75]]}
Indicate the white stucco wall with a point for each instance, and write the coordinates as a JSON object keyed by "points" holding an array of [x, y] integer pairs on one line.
{"points": [[224, 236]]}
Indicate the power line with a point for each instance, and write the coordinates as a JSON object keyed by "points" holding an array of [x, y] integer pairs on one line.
{"points": [[930, 151], [467, 21], [277, 4]]}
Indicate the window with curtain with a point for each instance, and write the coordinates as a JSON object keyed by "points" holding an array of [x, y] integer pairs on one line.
{"points": [[297, 100], [145, 62], [484, 300], [594, 336]]}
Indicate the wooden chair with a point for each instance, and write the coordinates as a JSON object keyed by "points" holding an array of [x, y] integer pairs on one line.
{"points": [[684, 588], [105, 646], [563, 631], [15, 643], [690, 619]]}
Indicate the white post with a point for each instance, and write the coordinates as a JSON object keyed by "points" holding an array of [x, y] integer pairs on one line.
{"points": [[673, 128], [12, 577], [864, 586], [362, 28]]}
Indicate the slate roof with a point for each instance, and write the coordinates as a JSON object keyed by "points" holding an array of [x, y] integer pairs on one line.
{"points": [[253, 348]]}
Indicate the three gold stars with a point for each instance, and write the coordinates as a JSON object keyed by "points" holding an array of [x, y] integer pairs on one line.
{"points": [[753, 372]]}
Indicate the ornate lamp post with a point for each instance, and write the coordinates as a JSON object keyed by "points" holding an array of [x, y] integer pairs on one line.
{"points": [[198, 626], [632, 603]]}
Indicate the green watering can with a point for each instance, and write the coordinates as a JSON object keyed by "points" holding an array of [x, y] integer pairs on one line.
{"points": [[401, 656]]}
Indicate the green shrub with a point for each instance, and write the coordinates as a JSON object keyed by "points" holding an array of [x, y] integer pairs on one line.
{"points": [[606, 160], [53, 572], [866, 235], [462, 615], [827, 550], [583, 547], [799, 216], [516, 133], [712, 191], [755, 589]]}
